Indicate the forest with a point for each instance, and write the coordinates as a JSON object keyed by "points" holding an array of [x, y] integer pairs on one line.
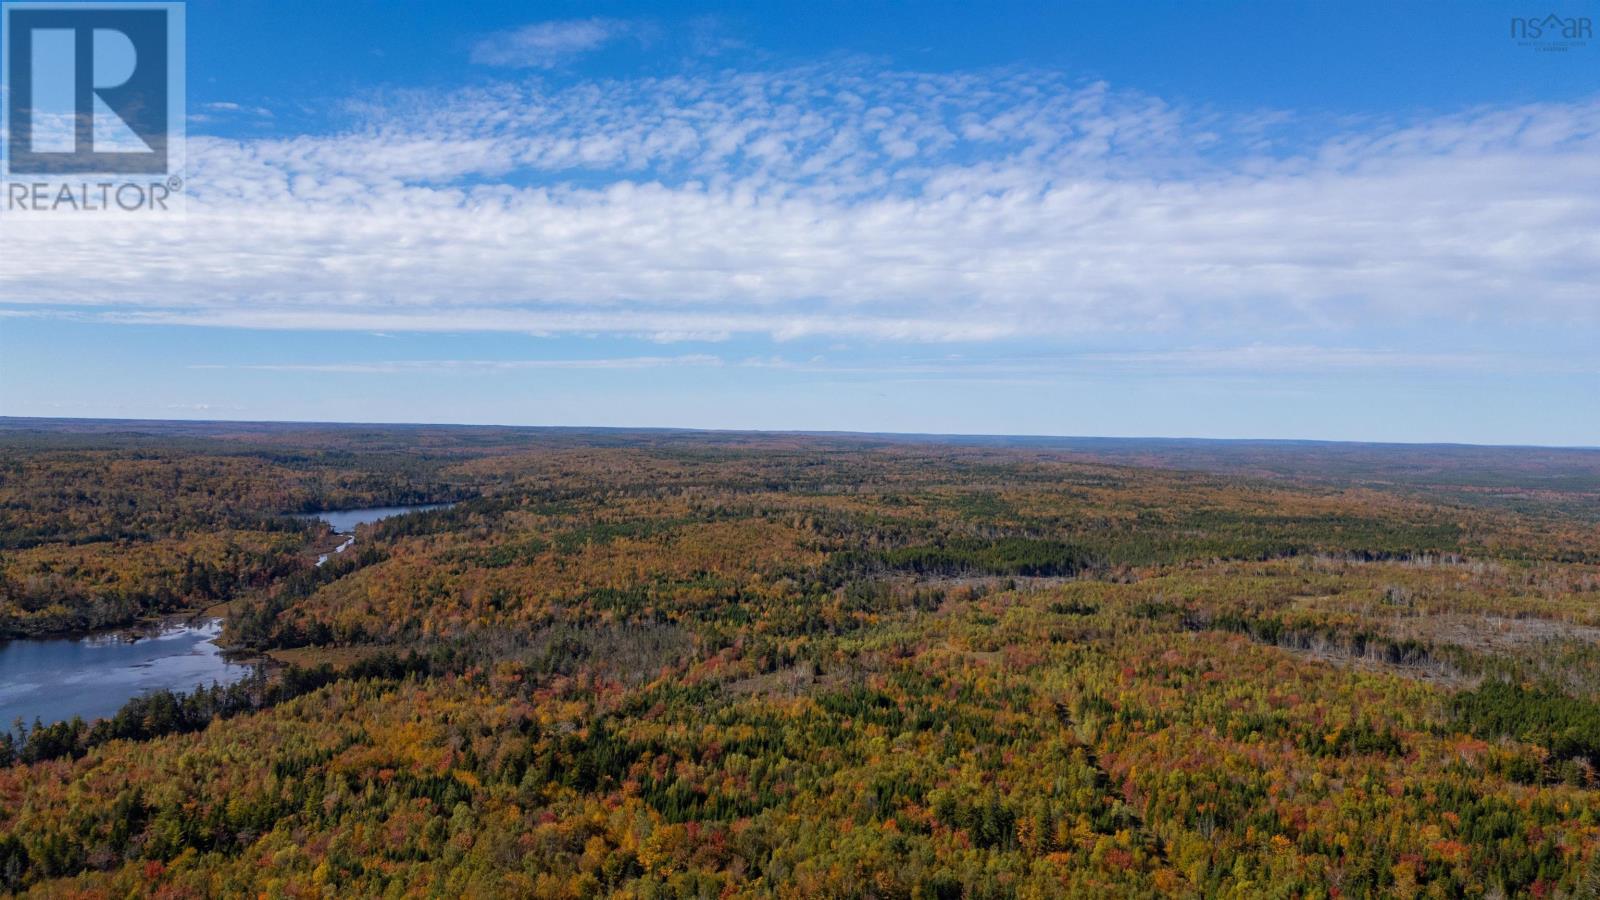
{"points": [[681, 664]]}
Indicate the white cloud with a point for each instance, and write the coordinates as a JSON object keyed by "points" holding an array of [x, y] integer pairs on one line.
{"points": [[548, 45], [205, 407], [475, 366], [853, 203], [1255, 359], [229, 107]]}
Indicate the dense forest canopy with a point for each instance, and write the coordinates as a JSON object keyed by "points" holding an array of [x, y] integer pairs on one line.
{"points": [[681, 664]]}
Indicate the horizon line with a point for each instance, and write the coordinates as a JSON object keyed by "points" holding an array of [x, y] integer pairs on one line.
{"points": [[923, 436]]}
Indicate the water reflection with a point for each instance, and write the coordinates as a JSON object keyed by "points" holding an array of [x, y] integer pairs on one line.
{"points": [[92, 677]]}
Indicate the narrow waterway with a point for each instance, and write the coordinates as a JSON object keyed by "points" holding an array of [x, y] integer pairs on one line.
{"points": [[344, 521]]}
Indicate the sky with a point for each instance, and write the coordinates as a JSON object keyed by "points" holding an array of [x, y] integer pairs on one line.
{"points": [[1347, 221]]}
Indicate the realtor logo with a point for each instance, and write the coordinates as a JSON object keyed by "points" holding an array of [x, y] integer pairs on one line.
{"points": [[92, 89]]}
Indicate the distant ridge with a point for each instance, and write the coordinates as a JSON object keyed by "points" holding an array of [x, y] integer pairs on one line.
{"points": [[1051, 441]]}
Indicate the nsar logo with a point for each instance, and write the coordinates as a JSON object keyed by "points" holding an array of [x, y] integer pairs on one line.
{"points": [[1552, 32]]}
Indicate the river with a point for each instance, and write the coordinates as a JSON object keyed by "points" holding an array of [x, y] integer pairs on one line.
{"points": [[344, 521]]}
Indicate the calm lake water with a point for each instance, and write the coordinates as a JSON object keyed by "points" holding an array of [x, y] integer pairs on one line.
{"points": [[56, 679], [344, 521], [92, 677]]}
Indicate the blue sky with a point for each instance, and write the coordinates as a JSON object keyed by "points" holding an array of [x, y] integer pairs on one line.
{"points": [[1343, 221]]}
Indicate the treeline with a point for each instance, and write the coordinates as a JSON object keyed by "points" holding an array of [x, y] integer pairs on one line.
{"points": [[100, 586], [967, 556], [1326, 637], [1544, 715]]}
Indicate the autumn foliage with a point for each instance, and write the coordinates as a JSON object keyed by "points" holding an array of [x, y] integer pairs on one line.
{"points": [[675, 665]]}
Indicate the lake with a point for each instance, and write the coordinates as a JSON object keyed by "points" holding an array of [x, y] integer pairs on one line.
{"points": [[344, 521], [92, 677]]}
